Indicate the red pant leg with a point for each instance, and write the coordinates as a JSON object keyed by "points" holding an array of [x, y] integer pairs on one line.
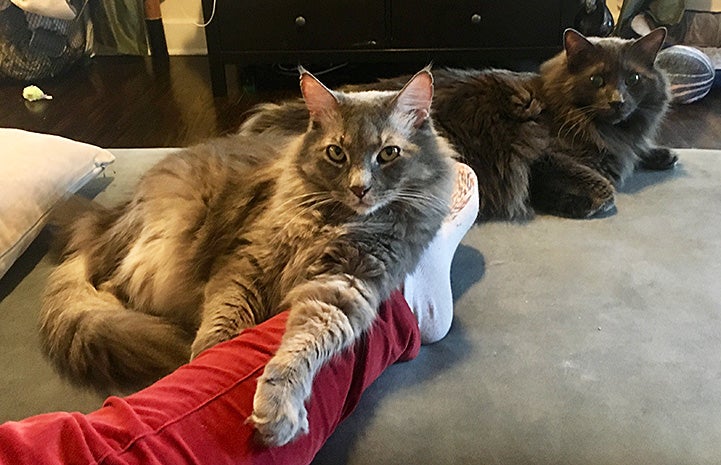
{"points": [[196, 415]]}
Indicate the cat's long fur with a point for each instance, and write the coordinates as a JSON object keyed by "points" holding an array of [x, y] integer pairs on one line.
{"points": [[601, 133], [549, 140], [225, 234]]}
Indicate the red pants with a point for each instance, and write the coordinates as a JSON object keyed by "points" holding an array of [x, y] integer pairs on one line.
{"points": [[197, 414]]}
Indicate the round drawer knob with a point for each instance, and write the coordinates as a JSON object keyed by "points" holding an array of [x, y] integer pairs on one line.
{"points": [[300, 21], [476, 19]]}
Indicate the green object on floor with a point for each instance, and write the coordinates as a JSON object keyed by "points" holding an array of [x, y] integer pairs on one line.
{"points": [[34, 93]]}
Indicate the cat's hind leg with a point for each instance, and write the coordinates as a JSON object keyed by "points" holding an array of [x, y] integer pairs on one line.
{"points": [[561, 186], [231, 303]]}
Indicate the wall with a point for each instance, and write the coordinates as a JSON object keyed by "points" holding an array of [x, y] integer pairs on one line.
{"points": [[180, 19]]}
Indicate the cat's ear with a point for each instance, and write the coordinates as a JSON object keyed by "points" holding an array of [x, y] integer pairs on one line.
{"points": [[579, 50], [320, 100], [646, 48], [416, 96]]}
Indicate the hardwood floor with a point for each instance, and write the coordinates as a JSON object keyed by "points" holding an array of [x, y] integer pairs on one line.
{"points": [[130, 102], [696, 125]]}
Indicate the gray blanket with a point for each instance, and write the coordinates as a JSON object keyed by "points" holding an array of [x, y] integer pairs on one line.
{"points": [[574, 342]]}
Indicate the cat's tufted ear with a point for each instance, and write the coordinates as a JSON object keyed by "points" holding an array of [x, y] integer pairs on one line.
{"points": [[416, 96], [321, 102], [646, 48], [579, 50]]}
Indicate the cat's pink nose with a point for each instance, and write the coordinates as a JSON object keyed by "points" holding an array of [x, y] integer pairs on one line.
{"points": [[360, 191]]}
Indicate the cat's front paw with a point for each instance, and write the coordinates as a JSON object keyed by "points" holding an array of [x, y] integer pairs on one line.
{"points": [[279, 413], [658, 159], [599, 211]]}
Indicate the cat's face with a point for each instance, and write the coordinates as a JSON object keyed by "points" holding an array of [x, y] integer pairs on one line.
{"points": [[612, 77], [363, 149]]}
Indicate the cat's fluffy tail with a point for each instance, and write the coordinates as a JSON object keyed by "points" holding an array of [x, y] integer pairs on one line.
{"points": [[93, 339]]}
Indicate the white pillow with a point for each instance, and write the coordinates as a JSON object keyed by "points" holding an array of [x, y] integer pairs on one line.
{"points": [[36, 172]]}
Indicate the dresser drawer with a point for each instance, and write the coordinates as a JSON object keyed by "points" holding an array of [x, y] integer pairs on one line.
{"points": [[466, 24], [275, 25]]}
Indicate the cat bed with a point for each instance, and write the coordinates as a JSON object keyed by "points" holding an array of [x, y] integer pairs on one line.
{"points": [[690, 72], [38, 171], [573, 341]]}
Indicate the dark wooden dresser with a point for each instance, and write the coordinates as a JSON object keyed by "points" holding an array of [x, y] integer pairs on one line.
{"points": [[244, 32]]}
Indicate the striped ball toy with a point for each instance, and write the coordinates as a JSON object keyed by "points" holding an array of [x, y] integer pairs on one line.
{"points": [[689, 71]]}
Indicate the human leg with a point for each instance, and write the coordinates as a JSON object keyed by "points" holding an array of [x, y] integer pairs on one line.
{"points": [[197, 414], [428, 289]]}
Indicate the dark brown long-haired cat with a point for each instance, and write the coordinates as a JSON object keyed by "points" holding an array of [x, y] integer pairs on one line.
{"points": [[559, 140], [603, 100], [225, 234]]}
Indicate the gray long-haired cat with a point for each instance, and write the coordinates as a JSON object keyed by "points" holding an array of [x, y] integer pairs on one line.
{"points": [[225, 234], [559, 140]]}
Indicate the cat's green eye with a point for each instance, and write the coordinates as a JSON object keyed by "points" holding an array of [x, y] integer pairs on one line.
{"points": [[633, 79], [388, 154], [335, 154], [597, 80]]}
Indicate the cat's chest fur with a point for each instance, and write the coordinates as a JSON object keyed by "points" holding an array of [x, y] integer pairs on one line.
{"points": [[291, 242], [289, 239]]}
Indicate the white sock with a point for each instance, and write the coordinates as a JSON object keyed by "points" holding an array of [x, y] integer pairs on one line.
{"points": [[428, 289]]}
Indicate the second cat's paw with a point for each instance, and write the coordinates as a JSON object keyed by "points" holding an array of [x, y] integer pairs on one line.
{"points": [[605, 209], [596, 201], [279, 414], [658, 159], [525, 106]]}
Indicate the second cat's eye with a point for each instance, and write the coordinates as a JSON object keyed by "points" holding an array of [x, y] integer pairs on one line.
{"points": [[335, 154], [388, 154], [597, 80], [633, 79]]}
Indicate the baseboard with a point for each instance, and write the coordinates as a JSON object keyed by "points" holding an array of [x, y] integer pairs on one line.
{"points": [[184, 37]]}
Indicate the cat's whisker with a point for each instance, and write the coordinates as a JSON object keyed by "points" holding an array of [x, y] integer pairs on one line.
{"points": [[309, 197], [575, 121], [574, 129], [422, 196], [572, 117], [421, 199], [310, 205]]}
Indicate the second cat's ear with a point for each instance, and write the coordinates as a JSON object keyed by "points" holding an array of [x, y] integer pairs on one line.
{"points": [[416, 96], [646, 48], [578, 49], [321, 102]]}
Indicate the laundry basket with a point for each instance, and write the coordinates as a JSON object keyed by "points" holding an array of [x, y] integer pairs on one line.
{"points": [[34, 47]]}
